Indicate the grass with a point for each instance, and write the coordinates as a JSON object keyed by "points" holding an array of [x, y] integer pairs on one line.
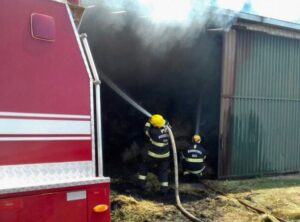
{"points": [[236, 186], [279, 196]]}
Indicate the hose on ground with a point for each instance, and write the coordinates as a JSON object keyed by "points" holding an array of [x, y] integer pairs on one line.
{"points": [[178, 202], [256, 209]]}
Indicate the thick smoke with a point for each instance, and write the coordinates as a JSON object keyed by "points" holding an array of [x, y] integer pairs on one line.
{"points": [[166, 66], [164, 56], [160, 25]]}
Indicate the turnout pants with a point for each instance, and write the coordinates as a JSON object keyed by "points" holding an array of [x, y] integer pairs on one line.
{"points": [[160, 167]]}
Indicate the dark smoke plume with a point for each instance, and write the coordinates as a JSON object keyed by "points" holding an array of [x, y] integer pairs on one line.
{"points": [[165, 67]]}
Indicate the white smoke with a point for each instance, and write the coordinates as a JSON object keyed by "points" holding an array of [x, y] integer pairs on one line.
{"points": [[159, 24], [171, 12], [181, 10], [231, 4]]}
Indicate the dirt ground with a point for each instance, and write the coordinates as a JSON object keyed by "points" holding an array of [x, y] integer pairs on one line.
{"points": [[278, 196]]}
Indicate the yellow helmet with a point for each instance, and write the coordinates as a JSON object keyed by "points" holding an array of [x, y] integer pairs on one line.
{"points": [[157, 120], [197, 138]]}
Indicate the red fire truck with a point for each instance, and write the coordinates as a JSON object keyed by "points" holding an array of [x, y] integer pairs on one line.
{"points": [[50, 124]]}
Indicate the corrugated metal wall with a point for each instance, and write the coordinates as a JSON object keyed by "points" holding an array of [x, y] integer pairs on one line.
{"points": [[264, 132]]}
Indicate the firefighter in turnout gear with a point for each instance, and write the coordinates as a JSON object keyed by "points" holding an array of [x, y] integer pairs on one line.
{"points": [[158, 152], [193, 159]]}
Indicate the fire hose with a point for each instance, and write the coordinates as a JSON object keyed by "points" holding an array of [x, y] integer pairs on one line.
{"points": [[178, 202], [242, 202], [145, 112]]}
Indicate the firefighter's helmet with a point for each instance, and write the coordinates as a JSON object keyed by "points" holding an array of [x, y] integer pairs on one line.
{"points": [[157, 120], [197, 138]]}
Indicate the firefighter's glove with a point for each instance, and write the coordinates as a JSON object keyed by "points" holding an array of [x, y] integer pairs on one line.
{"points": [[147, 133], [168, 125]]}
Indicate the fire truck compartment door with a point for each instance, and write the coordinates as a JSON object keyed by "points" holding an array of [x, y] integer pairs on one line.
{"points": [[50, 207]]}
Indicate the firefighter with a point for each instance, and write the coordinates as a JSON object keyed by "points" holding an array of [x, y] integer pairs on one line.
{"points": [[158, 152], [193, 159]]}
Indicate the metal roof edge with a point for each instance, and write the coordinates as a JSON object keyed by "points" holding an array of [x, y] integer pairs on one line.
{"points": [[269, 21], [258, 19]]}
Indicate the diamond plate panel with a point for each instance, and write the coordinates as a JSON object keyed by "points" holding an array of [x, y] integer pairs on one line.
{"points": [[41, 174], [55, 184]]}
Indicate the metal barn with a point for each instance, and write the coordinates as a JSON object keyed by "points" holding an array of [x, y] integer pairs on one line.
{"points": [[260, 98]]}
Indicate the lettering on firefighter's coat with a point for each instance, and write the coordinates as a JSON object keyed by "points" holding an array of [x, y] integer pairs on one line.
{"points": [[194, 151]]}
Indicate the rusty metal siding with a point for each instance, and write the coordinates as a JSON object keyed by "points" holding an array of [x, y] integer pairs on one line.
{"points": [[228, 76], [265, 124]]}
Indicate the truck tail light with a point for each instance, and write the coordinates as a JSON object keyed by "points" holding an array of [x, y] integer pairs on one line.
{"points": [[100, 208]]}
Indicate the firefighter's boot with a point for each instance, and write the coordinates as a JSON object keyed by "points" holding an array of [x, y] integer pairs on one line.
{"points": [[164, 190], [141, 184]]}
